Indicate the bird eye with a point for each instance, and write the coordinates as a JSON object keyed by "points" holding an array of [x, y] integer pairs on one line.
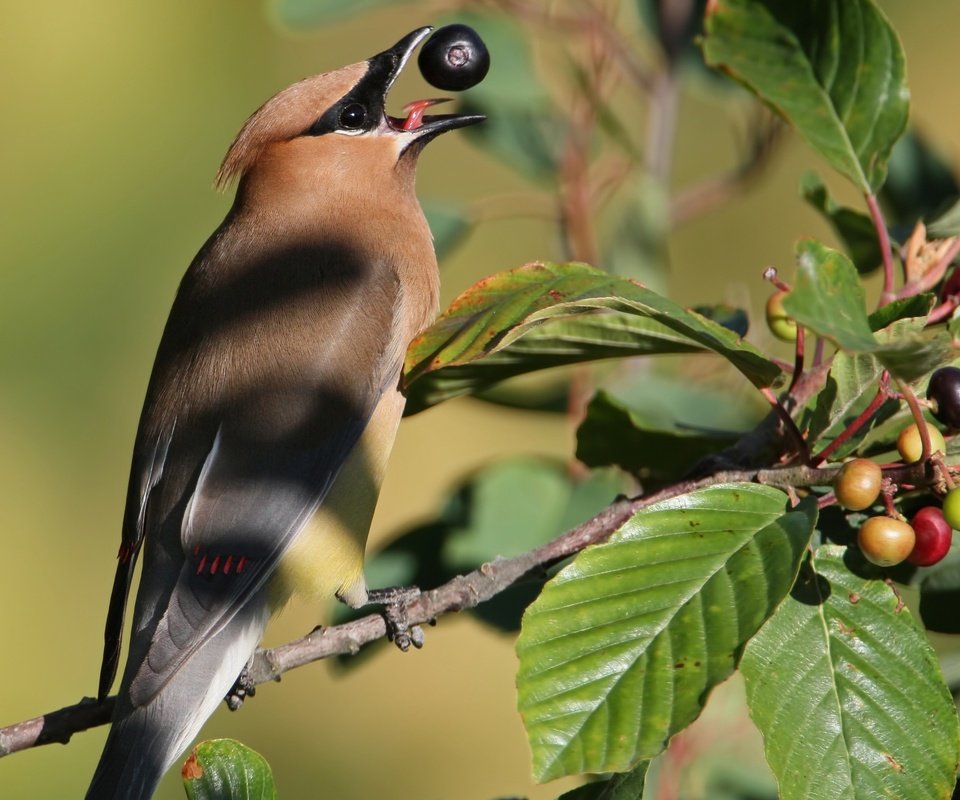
{"points": [[353, 116]]}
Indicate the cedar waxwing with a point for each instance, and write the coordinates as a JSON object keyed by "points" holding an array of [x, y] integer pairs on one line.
{"points": [[273, 403]]}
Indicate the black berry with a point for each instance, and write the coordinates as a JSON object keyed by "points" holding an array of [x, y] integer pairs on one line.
{"points": [[944, 391], [454, 58]]}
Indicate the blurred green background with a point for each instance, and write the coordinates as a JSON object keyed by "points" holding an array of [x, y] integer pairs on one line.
{"points": [[115, 117]]}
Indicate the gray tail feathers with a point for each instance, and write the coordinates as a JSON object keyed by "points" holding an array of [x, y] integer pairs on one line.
{"points": [[144, 741]]}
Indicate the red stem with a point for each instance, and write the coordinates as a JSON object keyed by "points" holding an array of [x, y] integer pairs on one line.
{"points": [[884, 238], [818, 352], [770, 274], [942, 311], [917, 413], [797, 360], [852, 428]]}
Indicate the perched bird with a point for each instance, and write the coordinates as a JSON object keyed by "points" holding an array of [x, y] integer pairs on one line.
{"points": [[273, 402]]}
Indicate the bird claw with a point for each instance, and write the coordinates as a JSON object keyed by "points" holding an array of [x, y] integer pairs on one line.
{"points": [[394, 601], [242, 688]]}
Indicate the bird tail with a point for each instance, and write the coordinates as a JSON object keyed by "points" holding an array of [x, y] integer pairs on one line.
{"points": [[145, 740]]}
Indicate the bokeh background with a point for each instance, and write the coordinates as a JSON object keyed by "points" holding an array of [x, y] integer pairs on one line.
{"points": [[114, 117]]}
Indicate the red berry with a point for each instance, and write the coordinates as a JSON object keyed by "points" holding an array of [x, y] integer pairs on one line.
{"points": [[952, 285], [934, 536]]}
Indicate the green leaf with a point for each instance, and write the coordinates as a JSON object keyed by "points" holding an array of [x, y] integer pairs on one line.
{"points": [[613, 433], [622, 786], [513, 507], [920, 183], [828, 299], [623, 646], [547, 315], [851, 386], [854, 228], [947, 224], [448, 224], [910, 351], [503, 509], [918, 305], [311, 13], [847, 692], [940, 592], [225, 769], [834, 69]]}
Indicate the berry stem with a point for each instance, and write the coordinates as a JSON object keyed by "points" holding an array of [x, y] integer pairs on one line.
{"points": [[917, 414], [880, 224], [889, 490], [857, 423], [818, 352], [942, 311], [944, 471], [797, 360], [770, 274]]}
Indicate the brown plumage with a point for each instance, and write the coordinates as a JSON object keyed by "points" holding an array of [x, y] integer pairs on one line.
{"points": [[273, 403]]}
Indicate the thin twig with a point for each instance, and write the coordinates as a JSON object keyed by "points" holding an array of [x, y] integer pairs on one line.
{"points": [[917, 413], [798, 355], [879, 399], [463, 592], [883, 237]]}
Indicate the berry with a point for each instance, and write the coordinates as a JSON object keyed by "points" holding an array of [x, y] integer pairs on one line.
{"points": [[910, 446], [857, 484], [944, 391], [781, 325], [952, 285], [951, 508], [934, 536], [886, 541], [454, 58]]}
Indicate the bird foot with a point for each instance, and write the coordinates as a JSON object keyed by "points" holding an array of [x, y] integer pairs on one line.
{"points": [[242, 688], [394, 601]]}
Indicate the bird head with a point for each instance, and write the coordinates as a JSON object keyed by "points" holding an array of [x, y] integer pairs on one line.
{"points": [[338, 121]]}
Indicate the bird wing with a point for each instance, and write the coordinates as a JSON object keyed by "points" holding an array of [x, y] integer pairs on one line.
{"points": [[275, 456], [142, 484]]}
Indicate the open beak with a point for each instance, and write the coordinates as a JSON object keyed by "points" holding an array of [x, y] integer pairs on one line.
{"points": [[418, 126]]}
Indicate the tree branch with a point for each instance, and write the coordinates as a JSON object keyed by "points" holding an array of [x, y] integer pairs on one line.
{"points": [[461, 593]]}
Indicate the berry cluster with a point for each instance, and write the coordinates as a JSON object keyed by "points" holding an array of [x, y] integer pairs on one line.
{"points": [[889, 539]]}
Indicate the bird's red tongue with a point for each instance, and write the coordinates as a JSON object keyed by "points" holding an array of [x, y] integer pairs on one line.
{"points": [[414, 112]]}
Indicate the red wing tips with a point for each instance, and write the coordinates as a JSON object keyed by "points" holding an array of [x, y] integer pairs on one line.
{"points": [[210, 564]]}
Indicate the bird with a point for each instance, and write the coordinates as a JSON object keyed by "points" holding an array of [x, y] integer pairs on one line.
{"points": [[273, 403]]}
